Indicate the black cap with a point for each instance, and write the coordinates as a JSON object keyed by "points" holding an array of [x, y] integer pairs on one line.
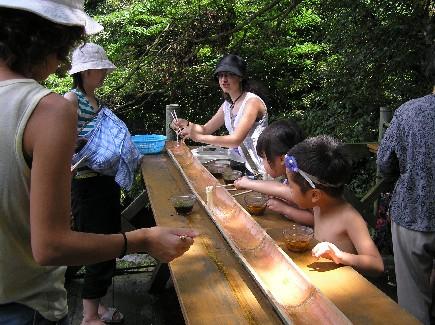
{"points": [[231, 63]]}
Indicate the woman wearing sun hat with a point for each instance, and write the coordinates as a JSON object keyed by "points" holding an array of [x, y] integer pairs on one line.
{"points": [[37, 140], [95, 197], [244, 114]]}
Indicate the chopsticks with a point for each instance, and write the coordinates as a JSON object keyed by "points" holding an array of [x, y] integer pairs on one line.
{"points": [[224, 185], [174, 116], [244, 192], [232, 189]]}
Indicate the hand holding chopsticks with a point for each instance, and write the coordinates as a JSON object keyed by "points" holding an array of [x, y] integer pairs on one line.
{"points": [[175, 118], [233, 189], [178, 124]]}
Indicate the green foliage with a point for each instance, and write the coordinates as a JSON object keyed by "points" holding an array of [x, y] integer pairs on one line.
{"points": [[58, 85], [336, 61], [330, 64], [378, 47]]}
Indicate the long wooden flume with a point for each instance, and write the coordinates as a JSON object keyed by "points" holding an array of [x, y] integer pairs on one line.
{"points": [[293, 296]]}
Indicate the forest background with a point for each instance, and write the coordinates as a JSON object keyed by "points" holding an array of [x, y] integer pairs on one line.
{"points": [[328, 64]]}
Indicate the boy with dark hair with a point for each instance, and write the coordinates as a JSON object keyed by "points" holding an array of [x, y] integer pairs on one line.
{"points": [[317, 170], [272, 145]]}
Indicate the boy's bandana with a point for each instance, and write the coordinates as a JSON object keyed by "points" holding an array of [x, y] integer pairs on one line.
{"points": [[291, 165]]}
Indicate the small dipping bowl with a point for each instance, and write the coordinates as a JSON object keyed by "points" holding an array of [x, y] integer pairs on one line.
{"points": [[255, 203], [183, 204], [298, 238], [217, 167], [230, 175]]}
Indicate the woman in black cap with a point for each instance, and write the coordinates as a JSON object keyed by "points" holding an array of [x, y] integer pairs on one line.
{"points": [[243, 113]]}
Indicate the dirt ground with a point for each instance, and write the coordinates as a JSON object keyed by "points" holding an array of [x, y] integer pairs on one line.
{"points": [[129, 293]]}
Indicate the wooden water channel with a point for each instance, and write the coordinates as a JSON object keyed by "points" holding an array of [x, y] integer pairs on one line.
{"points": [[212, 285]]}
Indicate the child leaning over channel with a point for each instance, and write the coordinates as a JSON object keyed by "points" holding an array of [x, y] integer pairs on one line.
{"points": [[272, 145], [317, 170]]}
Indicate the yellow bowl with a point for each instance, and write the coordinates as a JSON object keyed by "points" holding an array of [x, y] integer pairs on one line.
{"points": [[298, 238], [255, 203]]}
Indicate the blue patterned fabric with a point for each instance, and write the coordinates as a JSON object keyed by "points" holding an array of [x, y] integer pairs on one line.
{"points": [[109, 149], [408, 150]]}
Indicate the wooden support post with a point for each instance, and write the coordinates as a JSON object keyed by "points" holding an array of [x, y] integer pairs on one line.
{"points": [[170, 134], [385, 115]]}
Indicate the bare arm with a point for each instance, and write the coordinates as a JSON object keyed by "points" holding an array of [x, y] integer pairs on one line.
{"points": [[272, 188], [367, 259], [49, 138], [214, 124], [280, 201], [254, 109], [291, 212], [187, 128]]}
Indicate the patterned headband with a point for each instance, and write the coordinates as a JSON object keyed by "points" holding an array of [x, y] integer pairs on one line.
{"points": [[291, 165]]}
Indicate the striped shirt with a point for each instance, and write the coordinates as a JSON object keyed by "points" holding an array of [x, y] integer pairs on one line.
{"points": [[86, 114]]}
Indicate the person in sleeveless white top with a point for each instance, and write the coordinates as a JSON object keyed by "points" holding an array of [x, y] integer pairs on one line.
{"points": [[243, 113], [37, 140]]}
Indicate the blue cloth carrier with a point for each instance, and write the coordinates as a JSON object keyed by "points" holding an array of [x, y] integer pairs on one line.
{"points": [[109, 149]]}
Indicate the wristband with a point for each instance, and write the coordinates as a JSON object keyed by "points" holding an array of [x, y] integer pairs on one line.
{"points": [[124, 248]]}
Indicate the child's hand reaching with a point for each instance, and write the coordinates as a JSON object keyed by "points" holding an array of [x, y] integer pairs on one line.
{"points": [[242, 183], [329, 251], [277, 205]]}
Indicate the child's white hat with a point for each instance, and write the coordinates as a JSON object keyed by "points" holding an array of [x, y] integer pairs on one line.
{"points": [[64, 12], [90, 56]]}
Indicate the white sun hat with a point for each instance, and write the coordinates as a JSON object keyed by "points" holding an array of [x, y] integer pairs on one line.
{"points": [[90, 56], [64, 12]]}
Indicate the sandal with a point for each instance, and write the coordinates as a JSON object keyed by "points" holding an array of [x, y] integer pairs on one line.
{"points": [[112, 316]]}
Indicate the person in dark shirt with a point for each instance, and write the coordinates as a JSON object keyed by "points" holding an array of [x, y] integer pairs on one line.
{"points": [[407, 151]]}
